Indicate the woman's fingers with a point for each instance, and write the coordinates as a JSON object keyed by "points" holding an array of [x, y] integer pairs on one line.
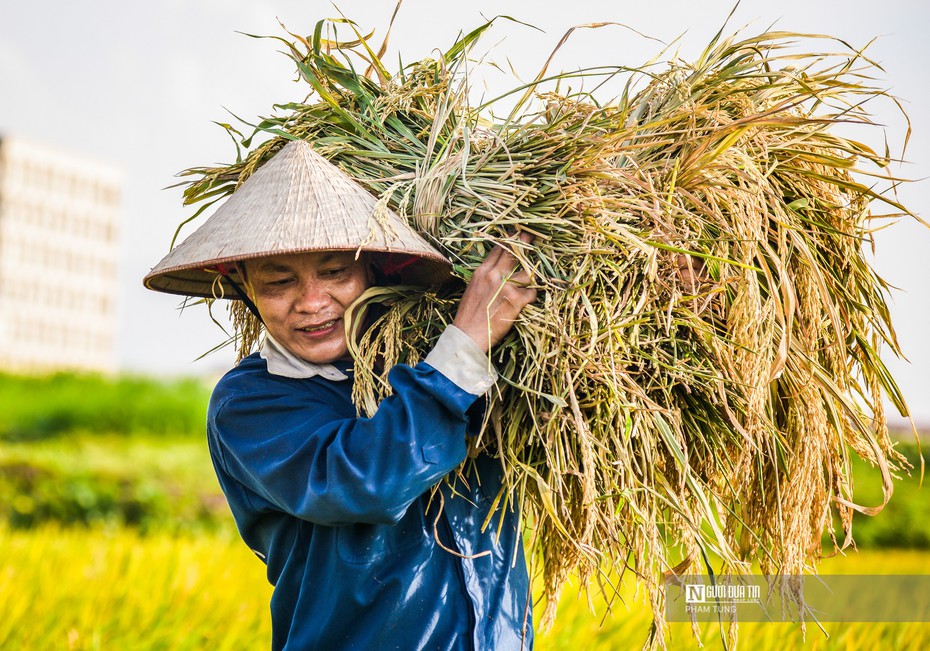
{"points": [[691, 271], [498, 290], [522, 277], [503, 257], [494, 256]]}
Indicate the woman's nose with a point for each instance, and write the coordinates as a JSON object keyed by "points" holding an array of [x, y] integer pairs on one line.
{"points": [[313, 297]]}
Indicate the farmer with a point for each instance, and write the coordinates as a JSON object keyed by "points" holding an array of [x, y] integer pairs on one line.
{"points": [[370, 539]]}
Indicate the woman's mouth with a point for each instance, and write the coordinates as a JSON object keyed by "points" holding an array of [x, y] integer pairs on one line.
{"points": [[319, 329]]}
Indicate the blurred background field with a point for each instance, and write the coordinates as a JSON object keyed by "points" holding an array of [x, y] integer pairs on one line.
{"points": [[115, 535]]}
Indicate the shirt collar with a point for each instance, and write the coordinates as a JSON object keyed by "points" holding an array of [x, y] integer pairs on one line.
{"points": [[284, 363]]}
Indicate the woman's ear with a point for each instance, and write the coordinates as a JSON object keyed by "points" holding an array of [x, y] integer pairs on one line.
{"points": [[371, 270]]}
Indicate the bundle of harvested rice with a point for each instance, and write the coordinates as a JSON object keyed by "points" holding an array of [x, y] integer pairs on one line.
{"points": [[646, 422]]}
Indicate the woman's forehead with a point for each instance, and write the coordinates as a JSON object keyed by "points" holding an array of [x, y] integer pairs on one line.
{"points": [[297, 261]]}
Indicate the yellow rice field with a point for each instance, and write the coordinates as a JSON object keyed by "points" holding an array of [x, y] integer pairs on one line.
{"points": [[77, 589]]}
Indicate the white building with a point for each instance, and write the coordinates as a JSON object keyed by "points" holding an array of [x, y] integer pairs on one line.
{"points": [[59, 234]]}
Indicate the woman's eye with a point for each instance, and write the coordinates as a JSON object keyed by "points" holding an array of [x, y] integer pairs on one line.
{"points": [[333, 272], [278, 282]]}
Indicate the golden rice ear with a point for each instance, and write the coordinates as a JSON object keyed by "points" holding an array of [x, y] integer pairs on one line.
{"points": [[247, 329]]}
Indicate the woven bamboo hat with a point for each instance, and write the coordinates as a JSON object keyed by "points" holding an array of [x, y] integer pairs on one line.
{"points": [[296, 202]]}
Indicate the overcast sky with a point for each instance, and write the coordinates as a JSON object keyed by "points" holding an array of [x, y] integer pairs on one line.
{"points": [[138, 85]]}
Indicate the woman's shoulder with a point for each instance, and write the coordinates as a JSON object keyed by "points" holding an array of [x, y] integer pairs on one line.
{"points": [[251, 380], [250, 370]]}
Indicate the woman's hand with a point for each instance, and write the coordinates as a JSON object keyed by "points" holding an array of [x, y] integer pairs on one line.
{"points": [[494, 297], [691, 272]]}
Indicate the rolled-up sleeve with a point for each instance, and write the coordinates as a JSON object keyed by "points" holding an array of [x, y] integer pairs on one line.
{"points": [[460, 359]]}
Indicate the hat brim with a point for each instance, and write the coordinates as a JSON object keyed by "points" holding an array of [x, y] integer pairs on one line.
{"points": [[209, 280]]}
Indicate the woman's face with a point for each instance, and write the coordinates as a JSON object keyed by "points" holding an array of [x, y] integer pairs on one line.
{"points": [[303, 298]]}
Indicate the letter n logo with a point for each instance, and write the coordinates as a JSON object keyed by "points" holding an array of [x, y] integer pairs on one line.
{"points": [[694, 594]]}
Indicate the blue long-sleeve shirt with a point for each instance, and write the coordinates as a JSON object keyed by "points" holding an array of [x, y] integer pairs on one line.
{"points": [[361, 553]]}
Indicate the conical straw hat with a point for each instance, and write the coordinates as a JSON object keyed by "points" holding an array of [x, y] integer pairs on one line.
{"points": [[296, 202]]}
